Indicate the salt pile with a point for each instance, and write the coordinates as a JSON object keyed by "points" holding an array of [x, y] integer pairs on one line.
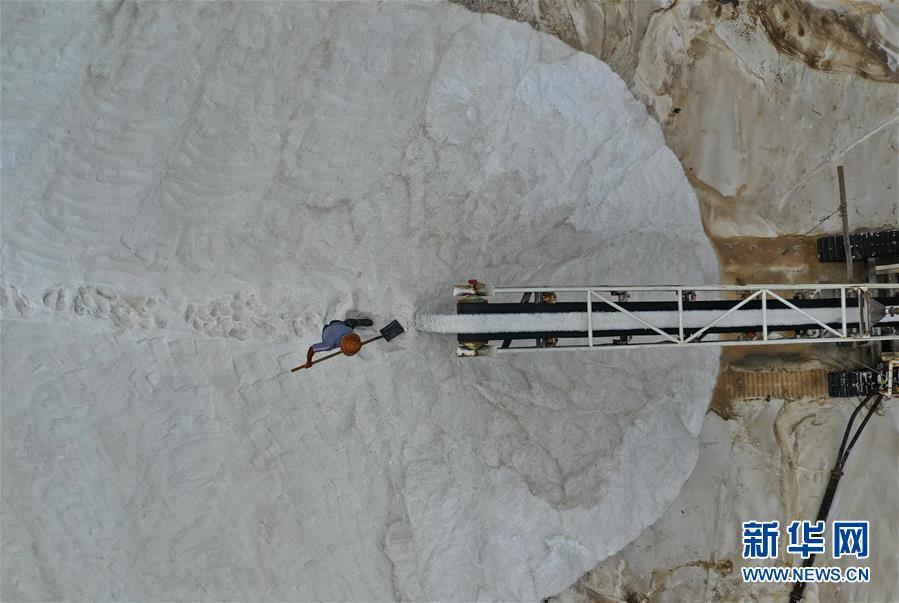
{"points": [[191, 190]]}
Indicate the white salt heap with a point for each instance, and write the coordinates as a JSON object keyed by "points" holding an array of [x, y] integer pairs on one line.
{"points": [[191, 190]]}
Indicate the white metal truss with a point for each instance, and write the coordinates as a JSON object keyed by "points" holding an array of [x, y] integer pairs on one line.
{"points": [[850, 328]]}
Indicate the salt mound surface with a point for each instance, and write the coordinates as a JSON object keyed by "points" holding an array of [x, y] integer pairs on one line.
{"points": [[191, 190]]}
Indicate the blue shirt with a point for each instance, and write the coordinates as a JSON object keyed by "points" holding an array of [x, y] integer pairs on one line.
{"points": [[331, 336]]}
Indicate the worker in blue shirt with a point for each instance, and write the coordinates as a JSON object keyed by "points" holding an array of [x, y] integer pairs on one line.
{"points": [[339, 334]]}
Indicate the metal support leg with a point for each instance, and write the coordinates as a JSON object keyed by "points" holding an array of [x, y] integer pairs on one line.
{"points": [[589, 319]]}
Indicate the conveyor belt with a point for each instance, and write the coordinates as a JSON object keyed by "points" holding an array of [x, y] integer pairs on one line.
{"points": [[659, 306], [568, 319]]}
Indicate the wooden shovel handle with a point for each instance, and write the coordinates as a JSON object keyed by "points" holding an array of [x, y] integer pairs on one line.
{"points": [[302, 366]]}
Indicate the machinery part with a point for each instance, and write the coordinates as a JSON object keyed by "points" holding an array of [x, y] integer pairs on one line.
{"points": [[890, 386], [547, 297], [862, 244], [471, 349], [873, 312], [473, 288], [854, 383]]}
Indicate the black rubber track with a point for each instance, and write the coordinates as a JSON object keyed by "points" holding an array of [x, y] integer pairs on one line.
{"points": [[862, 245], [850, 384]]}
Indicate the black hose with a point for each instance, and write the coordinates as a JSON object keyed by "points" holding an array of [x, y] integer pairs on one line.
{"points": [[849, 426], [862, 426], [835, 475]]}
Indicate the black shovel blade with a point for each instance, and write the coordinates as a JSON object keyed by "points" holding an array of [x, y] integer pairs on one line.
{"points": [[392, 330]]}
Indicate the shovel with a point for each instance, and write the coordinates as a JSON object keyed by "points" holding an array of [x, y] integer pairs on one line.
{"points": [[387, 333]]}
